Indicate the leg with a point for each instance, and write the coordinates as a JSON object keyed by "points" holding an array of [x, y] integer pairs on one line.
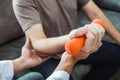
{"points": [[105, 61], [47, 68]]}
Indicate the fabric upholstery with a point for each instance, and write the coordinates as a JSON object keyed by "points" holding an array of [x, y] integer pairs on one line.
{"points": [[109, 4], [9, 27]]}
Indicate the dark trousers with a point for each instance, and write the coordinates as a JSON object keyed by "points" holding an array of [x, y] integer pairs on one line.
{"points": [[105, 62]]}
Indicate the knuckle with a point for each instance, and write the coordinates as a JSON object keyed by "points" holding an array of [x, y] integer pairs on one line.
{"points": [[92, 37], [97, 48], [96, 33], [102, 31], [87, 51]]}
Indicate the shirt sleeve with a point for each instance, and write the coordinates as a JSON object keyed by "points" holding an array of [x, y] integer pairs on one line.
{"points": [[26, 13], [59, 75], [6, 70], [81, 3]]}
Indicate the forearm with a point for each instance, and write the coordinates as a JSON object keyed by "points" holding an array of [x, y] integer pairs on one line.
{"points": [[66, 63], [110, 28], [19, 65], [62, 72], [97, 13], [67, 67], [44, 45], [51, 46]]}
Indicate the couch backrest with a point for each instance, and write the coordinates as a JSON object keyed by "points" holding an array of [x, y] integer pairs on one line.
{"points": [[113, 5], [9, 27]]}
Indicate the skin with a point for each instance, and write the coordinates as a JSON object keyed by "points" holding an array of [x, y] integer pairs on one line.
{"points": [[28, 58], [93, 34], [51, 46], [92, 11], [68, 61], [46, 46]]}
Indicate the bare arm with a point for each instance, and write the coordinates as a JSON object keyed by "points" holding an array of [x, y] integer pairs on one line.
{"points": [[94, 36], [92, 12], [48, 46], [66, 63], [45, 45]]}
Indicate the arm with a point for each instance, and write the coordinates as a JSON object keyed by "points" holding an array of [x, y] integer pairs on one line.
{"points": [[93, 12], [64, 68], [67, 61], [45, 45], [28, 16], [28, 58]]}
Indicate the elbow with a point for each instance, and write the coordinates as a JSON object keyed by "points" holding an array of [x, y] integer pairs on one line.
{"points": [[35, 45]]}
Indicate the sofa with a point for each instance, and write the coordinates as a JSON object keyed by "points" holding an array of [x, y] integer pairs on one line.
{"points": [[12, 37]]}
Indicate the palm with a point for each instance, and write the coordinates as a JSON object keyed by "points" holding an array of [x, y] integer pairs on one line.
{"points": [[30, 56]]}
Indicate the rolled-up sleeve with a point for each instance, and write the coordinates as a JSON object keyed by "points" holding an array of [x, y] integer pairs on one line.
{"points": [[6, 70], [59, 75]]}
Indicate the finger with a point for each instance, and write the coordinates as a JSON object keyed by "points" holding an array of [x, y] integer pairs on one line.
{"points": [[100, 44], [101, 30], [98, 32], [88, 42], [27, 43], [72, 34], [95, 32], [45, 58], [78, 32]]}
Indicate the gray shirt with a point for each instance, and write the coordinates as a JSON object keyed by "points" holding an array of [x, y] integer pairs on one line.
{"points": [[58, 17]]}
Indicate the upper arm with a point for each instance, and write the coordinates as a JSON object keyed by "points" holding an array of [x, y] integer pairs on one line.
{"points": [[28, 17], [26, 13]]}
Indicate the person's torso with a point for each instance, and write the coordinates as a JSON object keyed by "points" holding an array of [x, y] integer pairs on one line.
{"points": [[58, 16]]}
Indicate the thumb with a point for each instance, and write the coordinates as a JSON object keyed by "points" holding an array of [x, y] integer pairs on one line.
{"points": [[78, 32], [27, 42]]}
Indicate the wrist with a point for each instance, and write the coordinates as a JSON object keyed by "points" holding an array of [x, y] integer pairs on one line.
{"points": [[65, 66], [66, 63], [19, 64], [66, 38]]}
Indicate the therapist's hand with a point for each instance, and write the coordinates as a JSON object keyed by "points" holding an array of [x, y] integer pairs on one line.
{"points": [[28, 59], [66, 63]]}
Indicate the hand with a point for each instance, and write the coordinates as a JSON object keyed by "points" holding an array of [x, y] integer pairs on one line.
{"points": [[94, 34], [28, 59], [66, 56], [78, 32], [66, 63], [30, 56]]}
